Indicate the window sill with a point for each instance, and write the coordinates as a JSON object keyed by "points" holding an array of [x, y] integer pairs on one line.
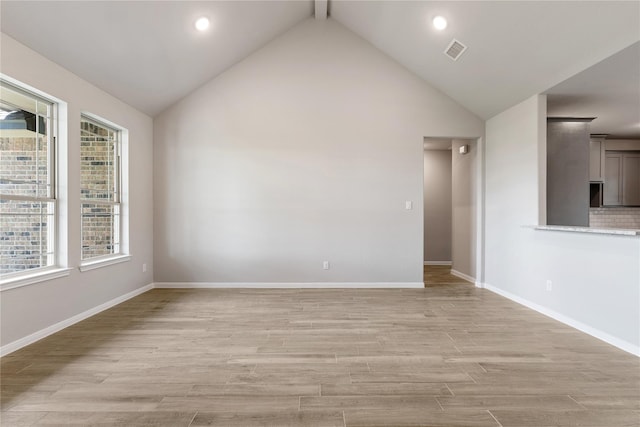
{"points": [[105, 262], [35, 277]]}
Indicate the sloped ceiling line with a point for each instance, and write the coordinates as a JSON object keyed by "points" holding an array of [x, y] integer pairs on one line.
{"points": [[149, 54]]}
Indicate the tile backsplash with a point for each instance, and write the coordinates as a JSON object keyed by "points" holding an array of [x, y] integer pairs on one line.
{"points": [[628, 218]]}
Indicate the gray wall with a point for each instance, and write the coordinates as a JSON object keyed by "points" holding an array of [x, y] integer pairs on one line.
{"points": [[29, 309], [305, 151], [464, 199], [568, 173], [437, 205]]}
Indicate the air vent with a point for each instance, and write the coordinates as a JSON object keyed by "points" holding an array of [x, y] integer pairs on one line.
{"points": [[455, 49]]}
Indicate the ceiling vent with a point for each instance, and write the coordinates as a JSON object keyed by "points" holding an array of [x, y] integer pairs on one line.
{"points": [[455, 49]]}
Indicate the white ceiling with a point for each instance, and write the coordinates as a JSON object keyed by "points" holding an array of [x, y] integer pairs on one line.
{"points": [[609, 91], [515, 48], [149, 55]]}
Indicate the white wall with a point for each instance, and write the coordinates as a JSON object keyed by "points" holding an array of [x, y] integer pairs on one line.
{"points": [[437, 205], [29, 309], [464, 204], [595, 278], [305, 151]]}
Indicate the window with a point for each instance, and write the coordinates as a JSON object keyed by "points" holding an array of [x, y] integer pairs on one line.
{"points": [[101, 189], [27, 182]]}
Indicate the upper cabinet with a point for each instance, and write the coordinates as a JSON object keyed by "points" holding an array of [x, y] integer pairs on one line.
{"points": [[622, 178], [613, 179], [596, 159]]}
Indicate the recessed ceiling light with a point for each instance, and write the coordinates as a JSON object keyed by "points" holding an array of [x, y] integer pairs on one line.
{"points": [[202, 24], [440, 23]]}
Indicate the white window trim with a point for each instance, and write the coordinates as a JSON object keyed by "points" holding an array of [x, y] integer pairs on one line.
{"points": [[60, 249], [123, 255], [36, 276], [105, 261]]}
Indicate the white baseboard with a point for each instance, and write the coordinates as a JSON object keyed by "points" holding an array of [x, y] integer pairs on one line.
{"points": [[306, 285], [437, 263], [30, 339], [596, 333], [463, 276]]}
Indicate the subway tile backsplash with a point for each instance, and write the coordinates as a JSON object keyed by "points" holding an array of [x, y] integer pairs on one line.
{"points": [[628, 218]]}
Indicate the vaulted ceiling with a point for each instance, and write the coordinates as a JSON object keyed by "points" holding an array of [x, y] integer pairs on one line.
{"points": [[149, 54]]}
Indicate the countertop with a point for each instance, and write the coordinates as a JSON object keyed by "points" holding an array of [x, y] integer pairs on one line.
{"points": [[573, 229]]}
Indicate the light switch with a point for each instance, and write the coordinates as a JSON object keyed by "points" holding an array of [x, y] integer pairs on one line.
{"points": [[408, 205]]}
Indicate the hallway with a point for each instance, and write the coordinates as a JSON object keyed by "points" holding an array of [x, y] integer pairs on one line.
{"points": [[437, 275]]}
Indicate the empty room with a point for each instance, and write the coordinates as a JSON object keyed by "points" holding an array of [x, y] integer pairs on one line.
{"points": [[320, 213]]}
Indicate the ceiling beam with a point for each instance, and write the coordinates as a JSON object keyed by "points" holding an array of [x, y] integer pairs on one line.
{"points": [[321, 9]]}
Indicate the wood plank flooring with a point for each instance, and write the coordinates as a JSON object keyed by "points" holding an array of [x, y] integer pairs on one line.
{"points": [[438, 275], [447, 355]]}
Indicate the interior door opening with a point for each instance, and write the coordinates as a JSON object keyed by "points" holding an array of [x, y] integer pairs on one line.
{"points": [[450, 210]]}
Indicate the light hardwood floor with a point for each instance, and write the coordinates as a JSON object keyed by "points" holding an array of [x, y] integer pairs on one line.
{"points": [[438, 275], [447, 355]]}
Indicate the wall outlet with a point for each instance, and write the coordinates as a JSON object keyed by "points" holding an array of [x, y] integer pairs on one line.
{"points": [[325, 265], [549, 285], [144, 268], [408, 205]]}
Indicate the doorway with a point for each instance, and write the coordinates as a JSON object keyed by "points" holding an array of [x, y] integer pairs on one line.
{"points": [[452, 211]]}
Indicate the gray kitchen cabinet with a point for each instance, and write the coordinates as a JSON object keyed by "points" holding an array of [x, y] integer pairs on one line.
{"points": [[596, 159], [622, 178], [568, 171], [612, 179], [631, 179]]}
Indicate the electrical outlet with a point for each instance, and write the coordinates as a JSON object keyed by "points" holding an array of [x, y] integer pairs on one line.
{"points": [[325, 265], [549, 285], [144, 268]]}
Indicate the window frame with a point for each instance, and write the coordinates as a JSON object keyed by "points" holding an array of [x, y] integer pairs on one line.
{"points": [[53, 253], [119, 191]]}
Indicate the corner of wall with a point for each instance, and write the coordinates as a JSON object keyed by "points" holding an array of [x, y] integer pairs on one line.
{"points": [[542, 159]]}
